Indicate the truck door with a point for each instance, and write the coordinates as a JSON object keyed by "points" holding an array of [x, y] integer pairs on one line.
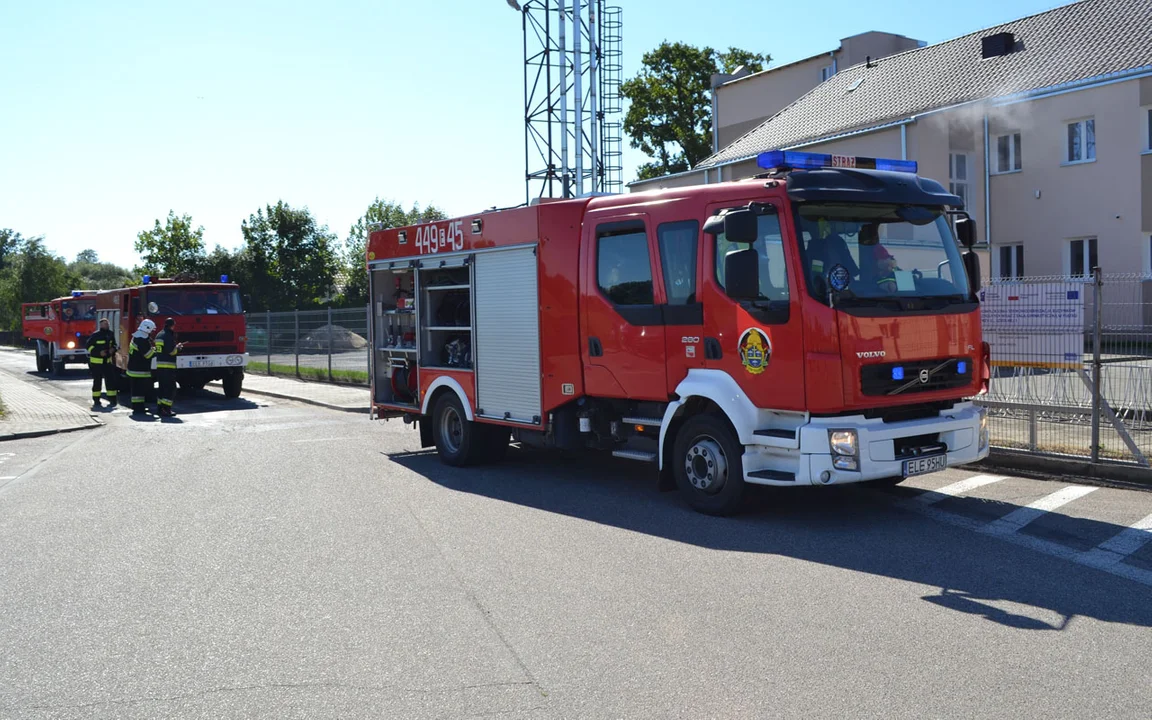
{"points": [[680, 252], [623, 322]]}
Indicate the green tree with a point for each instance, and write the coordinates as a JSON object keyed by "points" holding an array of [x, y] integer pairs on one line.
{"points": [[174, 248], [96, 275], [87, 256], [288, 261], [389, 214], [31, 274], [670, 111]]}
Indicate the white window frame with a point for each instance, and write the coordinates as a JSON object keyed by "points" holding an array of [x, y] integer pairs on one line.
{"points": [[1015, 151], [1083, 123], [1087, 255], [1014, 261], [826, 72], [1146, 129]]}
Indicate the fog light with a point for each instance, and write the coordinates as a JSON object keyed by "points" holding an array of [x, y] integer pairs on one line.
{"points": [[845, 463], [843, 442]]}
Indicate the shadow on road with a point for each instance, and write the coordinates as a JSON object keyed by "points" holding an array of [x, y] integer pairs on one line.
{"points": [[852, 528]]}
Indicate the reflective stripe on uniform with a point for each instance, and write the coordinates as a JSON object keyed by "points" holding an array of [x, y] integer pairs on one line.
{"points": [[163, 401], [95, 360], [145, 374], [165, 366], [137, 399]]}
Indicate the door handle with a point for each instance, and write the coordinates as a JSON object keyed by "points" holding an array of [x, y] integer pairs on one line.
{"points": [[712, 349], [594, 348]]}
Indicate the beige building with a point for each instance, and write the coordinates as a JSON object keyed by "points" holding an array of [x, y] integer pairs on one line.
{"points": [[749, 99], [1043, 124]]}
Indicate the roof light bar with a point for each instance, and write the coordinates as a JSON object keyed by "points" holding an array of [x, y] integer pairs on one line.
{"points": [[811, 161]]}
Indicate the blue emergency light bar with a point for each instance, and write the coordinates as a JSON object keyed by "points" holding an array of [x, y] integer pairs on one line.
{"points": [[147, 279], [812, 161], [223, 278], [77, 293]]}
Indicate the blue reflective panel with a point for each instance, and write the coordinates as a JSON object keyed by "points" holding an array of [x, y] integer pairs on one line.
{"points": [[961, 367], [897, 373]]}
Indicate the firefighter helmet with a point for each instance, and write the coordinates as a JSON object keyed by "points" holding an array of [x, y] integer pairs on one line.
{"points": [[146, 328]]}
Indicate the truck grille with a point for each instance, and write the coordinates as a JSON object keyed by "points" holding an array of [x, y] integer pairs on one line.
{"points": [[208, 349], [206, 336], [901, 378]]}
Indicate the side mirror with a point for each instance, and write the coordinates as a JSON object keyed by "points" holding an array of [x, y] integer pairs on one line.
{"points": [[742, 274], [966, 230], [972, 268], [740, 226]]}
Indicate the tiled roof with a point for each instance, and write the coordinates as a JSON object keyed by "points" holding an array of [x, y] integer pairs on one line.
{"points": [[1086, 39]]}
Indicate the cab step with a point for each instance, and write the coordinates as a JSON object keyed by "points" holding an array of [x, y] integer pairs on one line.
{"points": [[635, 455], [776, 475], [647, 422]]}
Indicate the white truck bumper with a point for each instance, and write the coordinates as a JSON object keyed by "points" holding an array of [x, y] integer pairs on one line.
{"points": [[959, 429], [196, 362]]}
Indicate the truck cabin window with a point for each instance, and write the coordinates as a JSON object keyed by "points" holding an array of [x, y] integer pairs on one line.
{"points": [[769, 247], [885, 255], [78, 309], [225, 301], [623, 268]]}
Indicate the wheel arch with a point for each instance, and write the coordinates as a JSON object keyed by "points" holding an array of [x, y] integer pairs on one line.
{"points": [[707, 391], [440, 386]]}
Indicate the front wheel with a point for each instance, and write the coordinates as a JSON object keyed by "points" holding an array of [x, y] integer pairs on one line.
{"points": [[233, 384], [708, 466]]}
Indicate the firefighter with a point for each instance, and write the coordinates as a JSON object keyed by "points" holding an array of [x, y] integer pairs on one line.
{"points": [[166, 349], [102, 348], [140, 352]]}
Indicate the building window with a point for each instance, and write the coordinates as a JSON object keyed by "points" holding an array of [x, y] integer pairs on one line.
{"points": [[623, 268], [1147, 113], [958, 176], [1008, 153], [1011, 262], [1082, 257], [1081, 141], [826, 72]]}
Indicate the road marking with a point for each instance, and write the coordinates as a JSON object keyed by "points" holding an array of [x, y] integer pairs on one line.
{"points": [[1119, 546], [1020, 517], [9, 477], [932, 497], [319, 440]]}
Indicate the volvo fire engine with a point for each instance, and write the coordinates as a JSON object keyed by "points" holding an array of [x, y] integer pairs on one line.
{"points": [[818, 324], [210, 322], [60, 328]]}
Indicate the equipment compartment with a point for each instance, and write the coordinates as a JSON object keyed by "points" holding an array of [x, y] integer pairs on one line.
{"points": [[446, 317], [394, 346]]}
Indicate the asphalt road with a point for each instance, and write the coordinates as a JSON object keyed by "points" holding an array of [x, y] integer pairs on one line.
{"points": [[268, 559]]}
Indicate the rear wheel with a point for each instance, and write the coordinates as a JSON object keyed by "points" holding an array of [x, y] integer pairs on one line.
{"points": [[458, 441], [707, 465], [233, 384]]}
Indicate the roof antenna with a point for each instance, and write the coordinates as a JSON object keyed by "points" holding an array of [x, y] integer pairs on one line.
{"points": [[868, 61]]}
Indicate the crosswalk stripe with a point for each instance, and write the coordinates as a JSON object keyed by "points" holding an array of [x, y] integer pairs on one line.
{"points": [[957, 488], [1020, 517], [1120, 545]]}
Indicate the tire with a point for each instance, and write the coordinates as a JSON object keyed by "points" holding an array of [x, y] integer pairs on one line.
{"points": [[57, 367], [41, 363], [707, 465], [456, 439], [233, 384]]}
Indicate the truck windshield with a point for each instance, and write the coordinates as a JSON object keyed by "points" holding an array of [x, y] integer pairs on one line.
{"points": [[225, 301], [78, 309], [889, 253]]}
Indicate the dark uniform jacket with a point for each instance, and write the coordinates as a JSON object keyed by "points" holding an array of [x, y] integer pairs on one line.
{"points": [[98, 343], [166, 350], [140, 352]]}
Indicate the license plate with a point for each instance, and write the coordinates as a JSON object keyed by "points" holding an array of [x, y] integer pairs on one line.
{"points": [[925, 465], [199, 363]]}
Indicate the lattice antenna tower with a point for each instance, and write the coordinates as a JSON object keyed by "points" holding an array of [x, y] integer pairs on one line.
{"points": [[572, 74]]}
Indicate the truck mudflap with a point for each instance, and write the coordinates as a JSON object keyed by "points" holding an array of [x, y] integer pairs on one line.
{"points": [[883, 450], [192, 361]]}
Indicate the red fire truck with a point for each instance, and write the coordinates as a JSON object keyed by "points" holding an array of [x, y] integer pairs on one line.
{"points": [[817, 324], [60, 328], [210, 322]]}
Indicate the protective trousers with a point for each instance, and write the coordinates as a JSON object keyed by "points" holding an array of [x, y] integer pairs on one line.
{"points": [[141, 384], [104, 372], [167, 380]]}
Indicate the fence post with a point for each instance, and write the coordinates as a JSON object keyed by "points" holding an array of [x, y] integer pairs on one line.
{"points": [[329, 343], [269, 343], [1097, 322], [297, 316]]}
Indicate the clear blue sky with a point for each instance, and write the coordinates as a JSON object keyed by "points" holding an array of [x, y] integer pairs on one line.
{"points": [[115, 112]]}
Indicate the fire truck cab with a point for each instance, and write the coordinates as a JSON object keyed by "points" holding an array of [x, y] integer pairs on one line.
{"points": [[816, 325], [60, 328], [210, 321]]}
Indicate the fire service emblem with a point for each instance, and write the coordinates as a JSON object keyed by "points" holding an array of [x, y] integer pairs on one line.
{"points": [[755, 350]]}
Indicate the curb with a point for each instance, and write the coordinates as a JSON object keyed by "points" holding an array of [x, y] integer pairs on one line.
{"points": [[297, 398], [1129, 477], [42, 433]]}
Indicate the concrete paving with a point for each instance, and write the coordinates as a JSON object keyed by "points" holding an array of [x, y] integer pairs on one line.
{"points": [[31, 411], [348, 398]]}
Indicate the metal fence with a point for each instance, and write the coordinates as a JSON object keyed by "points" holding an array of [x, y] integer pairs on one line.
{"points": [[329, 345], [1072, 366]]}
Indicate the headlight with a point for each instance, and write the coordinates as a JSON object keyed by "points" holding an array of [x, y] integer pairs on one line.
{"points": [[984, 437], [843, 442], [71, 344]]}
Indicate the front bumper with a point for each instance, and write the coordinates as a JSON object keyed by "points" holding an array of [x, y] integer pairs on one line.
{"points": [[957, 428], [200, 362]]}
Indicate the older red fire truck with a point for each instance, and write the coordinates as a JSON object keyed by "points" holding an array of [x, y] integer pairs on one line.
{"points": [[817, 324], [60, 328], [210, 322]]}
